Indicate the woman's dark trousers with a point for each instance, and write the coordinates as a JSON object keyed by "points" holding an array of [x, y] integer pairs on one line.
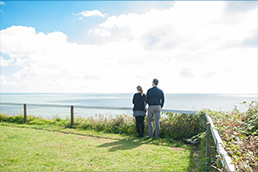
{"points": [[140, 125]]}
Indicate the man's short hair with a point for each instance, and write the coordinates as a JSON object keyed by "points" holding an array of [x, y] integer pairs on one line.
{"points": [[155, 81]]}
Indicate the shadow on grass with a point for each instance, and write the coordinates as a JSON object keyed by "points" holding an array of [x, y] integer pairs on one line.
{"points": [[125, 144], [194, 159]]}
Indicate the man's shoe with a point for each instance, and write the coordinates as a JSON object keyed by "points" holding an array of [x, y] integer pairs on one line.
{"points": [[149, 137]]}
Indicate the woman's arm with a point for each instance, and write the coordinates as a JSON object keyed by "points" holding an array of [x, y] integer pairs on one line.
{"points": [[133, 99]]}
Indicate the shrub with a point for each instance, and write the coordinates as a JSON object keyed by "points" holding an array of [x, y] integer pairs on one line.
{"points": [[12, 119], [239, 134], [179, 126], [172, 125]]}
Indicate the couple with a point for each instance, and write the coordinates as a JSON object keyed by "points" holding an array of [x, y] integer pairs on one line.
{"points": [[155, 100]]}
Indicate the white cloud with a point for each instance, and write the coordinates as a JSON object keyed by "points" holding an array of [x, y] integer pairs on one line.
{"points": [[195, 24], [92, 13], [189, 47], [101, 32], [2, 3], [4, 62]]}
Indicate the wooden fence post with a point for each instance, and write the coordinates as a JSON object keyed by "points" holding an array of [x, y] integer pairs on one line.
{"points": [[208, 144], [72, 116], [25, 112], [202, 122]]}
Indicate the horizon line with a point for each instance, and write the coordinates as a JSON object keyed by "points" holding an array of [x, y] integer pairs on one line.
{"points": [[113, 93]]}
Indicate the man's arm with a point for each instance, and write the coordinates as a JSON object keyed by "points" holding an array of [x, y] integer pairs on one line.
{"points": [[147, 97], [162, 99]]}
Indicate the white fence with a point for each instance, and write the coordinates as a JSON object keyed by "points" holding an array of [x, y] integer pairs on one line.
{"points": [[224, 157]]}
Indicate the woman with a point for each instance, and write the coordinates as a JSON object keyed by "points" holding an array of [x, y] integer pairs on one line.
{"points": [[139, 110]]}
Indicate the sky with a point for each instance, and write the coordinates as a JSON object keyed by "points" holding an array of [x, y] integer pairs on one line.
{"points": [[114, 46]]}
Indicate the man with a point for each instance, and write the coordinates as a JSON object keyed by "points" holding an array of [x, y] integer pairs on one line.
{"points": [[155, 99]]}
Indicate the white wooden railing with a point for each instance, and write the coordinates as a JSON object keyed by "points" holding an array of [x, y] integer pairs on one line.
{"points": [[224, 157]]}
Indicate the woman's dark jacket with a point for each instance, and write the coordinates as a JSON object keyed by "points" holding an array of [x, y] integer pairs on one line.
{"points": [[139, 102]]}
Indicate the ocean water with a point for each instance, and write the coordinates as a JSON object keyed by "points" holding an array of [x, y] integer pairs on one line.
{"points": [[192, 102]]}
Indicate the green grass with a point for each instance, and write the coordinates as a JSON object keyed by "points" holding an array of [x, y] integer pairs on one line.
{"points": [[55, 148]]}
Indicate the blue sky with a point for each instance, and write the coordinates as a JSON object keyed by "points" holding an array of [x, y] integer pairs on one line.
{"points": [[113, 46], [50, 16]]}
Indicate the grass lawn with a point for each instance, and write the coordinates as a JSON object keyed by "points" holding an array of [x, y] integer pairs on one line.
{"points": [[53, 148]]}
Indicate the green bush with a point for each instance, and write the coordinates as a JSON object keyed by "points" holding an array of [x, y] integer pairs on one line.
{"points": [[12, 119], [36, 122], [119, 124], [179, 126], [238, 131]]}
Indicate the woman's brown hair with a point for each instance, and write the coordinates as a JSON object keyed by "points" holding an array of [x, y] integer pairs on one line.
{"points": [[140, 89]]}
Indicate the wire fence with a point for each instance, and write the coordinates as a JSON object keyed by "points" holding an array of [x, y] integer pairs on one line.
{"points": [[49, 111], [11, 109], [63, 111]]}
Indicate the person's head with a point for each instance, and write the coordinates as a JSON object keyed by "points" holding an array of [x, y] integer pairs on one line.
{"points": [[139, 89], [155, 82]]}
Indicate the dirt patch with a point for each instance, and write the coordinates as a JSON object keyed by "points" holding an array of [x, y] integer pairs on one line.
{"points": [[94, 138], [176, 149], [82, 137]]}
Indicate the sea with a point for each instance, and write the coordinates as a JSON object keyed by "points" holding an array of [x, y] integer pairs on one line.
{"points": [[49, 105]]}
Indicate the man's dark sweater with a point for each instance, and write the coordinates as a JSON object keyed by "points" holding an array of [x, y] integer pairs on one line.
{"points": [[139, 102], [155, 96]]}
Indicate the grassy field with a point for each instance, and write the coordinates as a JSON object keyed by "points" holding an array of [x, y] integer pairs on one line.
{"points": [[54, 148]]}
